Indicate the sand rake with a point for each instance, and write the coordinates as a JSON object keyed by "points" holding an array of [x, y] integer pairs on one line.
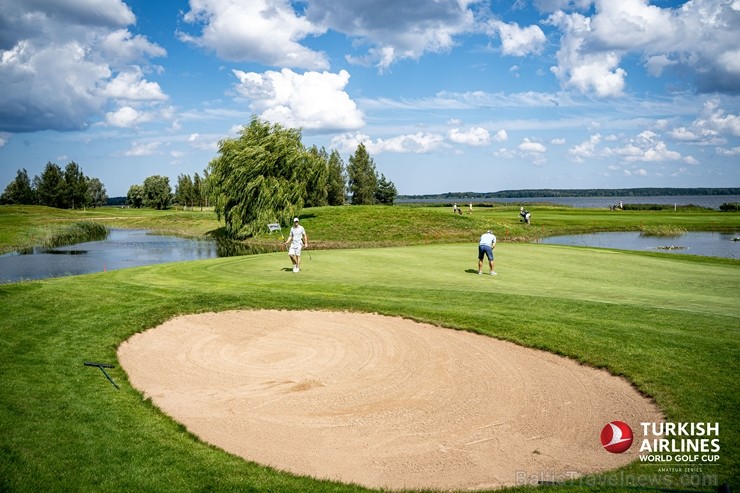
{"points": [[102, 367]]}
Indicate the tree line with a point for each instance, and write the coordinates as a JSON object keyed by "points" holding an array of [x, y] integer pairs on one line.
{"points": [[584, 192], [264, 175], [64, 189]]}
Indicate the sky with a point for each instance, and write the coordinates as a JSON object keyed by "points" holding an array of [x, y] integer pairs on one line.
{"points": [[446, 95]]}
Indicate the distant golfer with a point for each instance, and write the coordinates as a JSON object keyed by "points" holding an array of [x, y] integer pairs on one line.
{"points": [[298, 240], [524, 213], [485, 248]]}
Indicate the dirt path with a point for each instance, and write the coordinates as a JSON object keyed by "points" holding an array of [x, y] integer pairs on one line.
{"points": [[381, 401]]}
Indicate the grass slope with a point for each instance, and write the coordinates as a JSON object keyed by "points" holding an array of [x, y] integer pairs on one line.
{"points": [[363, 226], [669, 324]]}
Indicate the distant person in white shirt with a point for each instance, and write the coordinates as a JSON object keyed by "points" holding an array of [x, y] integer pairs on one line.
{"points": [[298, 240], [485, 248]]}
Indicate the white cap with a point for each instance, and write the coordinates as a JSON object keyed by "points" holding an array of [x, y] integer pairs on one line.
{"points": [[295, 219]]}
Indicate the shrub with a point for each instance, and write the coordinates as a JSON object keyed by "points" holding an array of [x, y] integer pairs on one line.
{"points": [[730, 207]]}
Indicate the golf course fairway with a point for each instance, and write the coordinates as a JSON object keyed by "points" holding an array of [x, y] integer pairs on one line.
{"points": [[668, 324]]}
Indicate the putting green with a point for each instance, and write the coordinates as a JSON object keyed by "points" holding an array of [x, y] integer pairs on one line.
{"points": [[667, 323]]}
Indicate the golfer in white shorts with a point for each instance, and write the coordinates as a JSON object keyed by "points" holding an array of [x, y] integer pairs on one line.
{"points": [[298, 240]]}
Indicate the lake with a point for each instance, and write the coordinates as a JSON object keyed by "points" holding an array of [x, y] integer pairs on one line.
{"points": [[123, 248], [711, 201], [694, 243]]}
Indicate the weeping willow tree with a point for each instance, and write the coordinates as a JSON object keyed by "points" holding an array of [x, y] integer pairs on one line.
{"points": [[260, 177]]}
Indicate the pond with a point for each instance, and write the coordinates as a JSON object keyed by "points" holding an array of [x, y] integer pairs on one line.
{"points": [[702, 243], [132, 248], [123, 248]]}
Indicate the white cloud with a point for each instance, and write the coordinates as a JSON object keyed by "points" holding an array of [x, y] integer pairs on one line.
{"points": [[705, 43], [203, 143], [143, 149], [578, 65], [656, 64], [531, 147], [125, 117], [477, 136], [585, 149], [637, 172], [683, 133], [418, 143], [258, 30], [89, 12], [646, 147], [313, 100], [122, 47], [395, 30], [717, 119], [734, 151], [630, 24], [558, 141], [128, 116], [131, 86], [699, 38], [517, 41], [4, 138], [56, 56], [710, 127]]}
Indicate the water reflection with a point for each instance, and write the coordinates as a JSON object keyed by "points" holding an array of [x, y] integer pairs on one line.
{"points": [[230, 248], [122, 249], [702, 243]]}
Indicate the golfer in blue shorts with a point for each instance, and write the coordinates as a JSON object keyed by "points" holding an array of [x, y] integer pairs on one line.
{"points": [[485, 248]]}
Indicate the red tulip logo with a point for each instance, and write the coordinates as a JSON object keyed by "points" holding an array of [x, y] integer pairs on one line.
{"points": [[616, 437]]}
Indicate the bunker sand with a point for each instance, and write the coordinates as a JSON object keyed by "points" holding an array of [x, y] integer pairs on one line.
{"points": [[381, 401]]}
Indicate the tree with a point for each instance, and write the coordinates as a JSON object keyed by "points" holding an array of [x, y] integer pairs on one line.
{"points": [[363, 179], [205, 188], [157, 192], [259, 178], [197, 191], [184, 191], [336, 181], [50, 186], [96, 194], [316, 192], [19, 191], [386, 192], [135, 196], [75, 189]]}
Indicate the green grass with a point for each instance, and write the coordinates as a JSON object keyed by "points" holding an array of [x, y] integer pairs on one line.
{"points": [[668, 324], [364, 226]]}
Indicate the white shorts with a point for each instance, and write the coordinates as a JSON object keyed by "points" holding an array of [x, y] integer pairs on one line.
{"points": [[295, 250]]}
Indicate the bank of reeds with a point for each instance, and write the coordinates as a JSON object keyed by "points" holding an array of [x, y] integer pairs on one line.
{"points": [[662, 230], [77, 232]]}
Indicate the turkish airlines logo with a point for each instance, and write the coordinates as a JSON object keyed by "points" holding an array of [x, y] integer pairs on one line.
{"points": [[616, 437]]}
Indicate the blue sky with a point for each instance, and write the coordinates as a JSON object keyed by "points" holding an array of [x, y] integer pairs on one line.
{"points": [[447, 95]]}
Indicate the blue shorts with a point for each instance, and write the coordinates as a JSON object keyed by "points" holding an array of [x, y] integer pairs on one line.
{"points": [[485, 250]]}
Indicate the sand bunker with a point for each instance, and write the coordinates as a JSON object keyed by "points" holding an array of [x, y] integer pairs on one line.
{"points": [[381, 401]]}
